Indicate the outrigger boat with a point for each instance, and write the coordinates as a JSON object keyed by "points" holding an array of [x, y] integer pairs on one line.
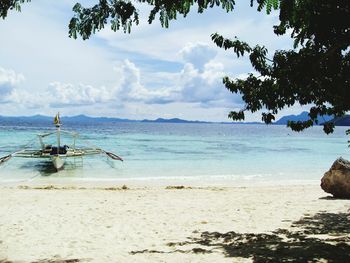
{"points": [[58, 154]]}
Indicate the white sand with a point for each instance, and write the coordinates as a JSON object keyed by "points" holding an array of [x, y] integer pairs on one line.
{"points": [[107, 225]]}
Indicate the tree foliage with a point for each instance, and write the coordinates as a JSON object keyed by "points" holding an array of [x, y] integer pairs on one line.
{"points": [[6, 5], [123, 14], [315, 71], [269, 4]]}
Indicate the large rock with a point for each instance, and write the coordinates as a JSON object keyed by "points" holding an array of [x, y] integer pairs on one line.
{"points": [[337, 180]]}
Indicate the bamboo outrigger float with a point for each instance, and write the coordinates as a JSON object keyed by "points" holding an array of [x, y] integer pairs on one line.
{"points": [[58, 154]]}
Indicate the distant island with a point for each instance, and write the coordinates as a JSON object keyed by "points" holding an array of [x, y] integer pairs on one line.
{"points": [[342, 121], [41, 119], [85, 119], [304, 116], [173, 120]]}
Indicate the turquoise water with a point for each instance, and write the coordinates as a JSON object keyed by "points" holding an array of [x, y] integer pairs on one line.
{"points": [[196, 151]]}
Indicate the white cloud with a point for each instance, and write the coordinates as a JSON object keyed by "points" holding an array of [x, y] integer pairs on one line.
{"points": [[9, 79], [201, 84], [190, 85], [206, 87], [131, 89], [200, 80], [129, 84], [62, 94], [198, 54], [127, 87]]}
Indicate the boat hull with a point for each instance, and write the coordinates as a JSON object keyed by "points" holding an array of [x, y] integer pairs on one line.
{"points": [[57, 162]]}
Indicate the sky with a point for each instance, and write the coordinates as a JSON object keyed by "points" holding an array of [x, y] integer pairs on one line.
{"points": [[152, 72]]}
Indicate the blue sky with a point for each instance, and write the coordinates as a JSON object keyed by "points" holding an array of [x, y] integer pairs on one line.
{"points": [[152, 72]]}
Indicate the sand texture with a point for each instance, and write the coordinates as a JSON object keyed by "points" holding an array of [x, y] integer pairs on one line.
{"points": [[173, 224]]}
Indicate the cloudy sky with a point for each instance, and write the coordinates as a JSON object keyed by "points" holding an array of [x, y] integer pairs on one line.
{"points": [[152, 72]]}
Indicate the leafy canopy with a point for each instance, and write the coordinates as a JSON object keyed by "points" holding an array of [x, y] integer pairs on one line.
{"points": [[315, 71], [6, 5], [123, 14]]}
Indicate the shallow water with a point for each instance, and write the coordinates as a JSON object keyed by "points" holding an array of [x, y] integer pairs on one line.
{"points": [[183, 151]]}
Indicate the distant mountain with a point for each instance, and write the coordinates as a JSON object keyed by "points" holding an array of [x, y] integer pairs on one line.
{"points": [[82, 119], [40, 119], [342, 121], [87, 119], [243, 122], [304, 116], [174, 120]]}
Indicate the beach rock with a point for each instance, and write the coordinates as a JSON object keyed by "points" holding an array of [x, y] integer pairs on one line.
{"points": [[337, 180]]}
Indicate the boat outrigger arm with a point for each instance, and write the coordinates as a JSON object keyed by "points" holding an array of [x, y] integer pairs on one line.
{"points": [[58, 154]]}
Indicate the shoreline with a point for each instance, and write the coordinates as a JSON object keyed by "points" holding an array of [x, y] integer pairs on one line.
{"points": [[158, 182], [163, 185]]}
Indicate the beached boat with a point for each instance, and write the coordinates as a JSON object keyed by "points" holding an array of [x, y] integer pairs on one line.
{"points": [[58, 154]]}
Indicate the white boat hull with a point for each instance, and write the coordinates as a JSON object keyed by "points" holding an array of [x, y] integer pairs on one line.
{"points": [[57, 162]]}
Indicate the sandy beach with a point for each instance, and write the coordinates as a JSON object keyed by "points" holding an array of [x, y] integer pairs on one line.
{"points": [[172, 224]]}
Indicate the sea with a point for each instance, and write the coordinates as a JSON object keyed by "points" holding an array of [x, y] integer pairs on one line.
{"points": [[178, 151]]}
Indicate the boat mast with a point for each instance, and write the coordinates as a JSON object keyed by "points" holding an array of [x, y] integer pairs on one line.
{"points": [[57, 122]]}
